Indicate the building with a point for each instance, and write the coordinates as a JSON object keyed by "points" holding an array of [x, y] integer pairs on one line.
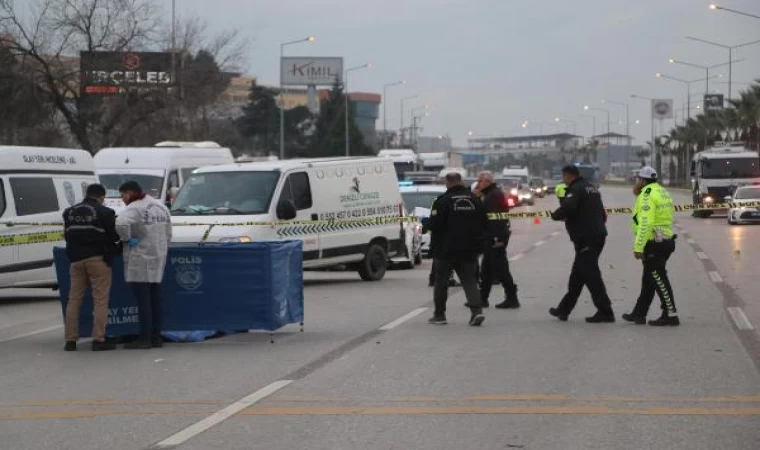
{"points": [[365, 109]]}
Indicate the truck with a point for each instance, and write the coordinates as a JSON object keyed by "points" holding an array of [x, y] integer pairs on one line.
{"points": [[440, 160], [719, 170], [404, 160]]}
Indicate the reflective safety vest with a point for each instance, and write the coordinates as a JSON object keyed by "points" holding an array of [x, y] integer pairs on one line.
{"points": [[559, 190], [652, 216]]}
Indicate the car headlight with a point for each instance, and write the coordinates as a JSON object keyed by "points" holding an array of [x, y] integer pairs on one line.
{"points": [[236, 240], [709, 199], [513, 192], [545, 188]]}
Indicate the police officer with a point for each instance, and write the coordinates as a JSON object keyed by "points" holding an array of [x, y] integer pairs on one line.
{"points": [[91, 245], [654, 242], [495, 267], [583, 212], [458, 223]]}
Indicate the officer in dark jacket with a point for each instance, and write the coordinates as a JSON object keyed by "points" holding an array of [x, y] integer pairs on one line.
{"points": [[585, 220], [91, 245], [495, 266], [458, 224]]}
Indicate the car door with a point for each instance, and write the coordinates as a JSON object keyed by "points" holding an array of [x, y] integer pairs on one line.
{"points": [[8, 250], [297, 188]]}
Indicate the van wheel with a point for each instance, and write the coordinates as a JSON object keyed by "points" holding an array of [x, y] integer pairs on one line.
{"points": [[374, 264]]}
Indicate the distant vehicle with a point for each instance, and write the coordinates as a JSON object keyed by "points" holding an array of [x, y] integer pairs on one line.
{"points": [[718, 171], [517, 172], [538, 187], [439, 161], [744, 214], [418, 200], [160, 170], [551, 186], [303, 190], [404, 160], [463, 172], [513, 190], [422, 177], [36, 185], [589, 172]]}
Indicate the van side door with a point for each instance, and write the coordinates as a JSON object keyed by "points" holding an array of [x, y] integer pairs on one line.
{"points": [[297, 188], [8, 250]]}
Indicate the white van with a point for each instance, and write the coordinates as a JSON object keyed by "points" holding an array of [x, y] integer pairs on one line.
{"points": [[36, 185], [159, 170], [303, 190]]}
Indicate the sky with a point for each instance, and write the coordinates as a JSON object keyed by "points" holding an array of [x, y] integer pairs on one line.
{"points": [[488, 65]]}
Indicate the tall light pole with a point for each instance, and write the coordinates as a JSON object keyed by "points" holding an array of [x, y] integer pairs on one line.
{"points": [[705, 68], [561, 119], [651, 116], [174, 42], [607, 111], [413, 132], [385, 109], [401, 129], [627, 127], [345, 98], [282, 93], [414, 128], [715, 7], [730, 56], [688, 84], [593, 122]]}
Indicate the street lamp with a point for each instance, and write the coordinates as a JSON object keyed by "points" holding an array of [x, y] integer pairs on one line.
{"points": [[715, 7], [309, 39], [651, 116], [705, 68], [688, 84], [345, 98], [401, 129], [385, 109], [627, 125], [730, 55]]}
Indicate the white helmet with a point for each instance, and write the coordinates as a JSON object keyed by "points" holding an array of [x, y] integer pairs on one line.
{"points": [[647, 173]]}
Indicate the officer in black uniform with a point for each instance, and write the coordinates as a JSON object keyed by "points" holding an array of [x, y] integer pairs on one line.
{"points": [[585, 220], [458, 224], [495, 266]]}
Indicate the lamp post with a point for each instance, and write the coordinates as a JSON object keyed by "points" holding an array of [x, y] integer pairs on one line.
{"points": [[345, 98], [282, 93], [401, 129], [715, 7], [705, 68], [730, 56], [688, 84], [627, 126], [385, 109], [651, 116]]}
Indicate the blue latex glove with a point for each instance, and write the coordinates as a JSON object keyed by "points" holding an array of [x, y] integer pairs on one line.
{"points": [[133, 242]]}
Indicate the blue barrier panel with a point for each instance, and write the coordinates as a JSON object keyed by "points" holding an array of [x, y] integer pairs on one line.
{"points": [[256, 286]]}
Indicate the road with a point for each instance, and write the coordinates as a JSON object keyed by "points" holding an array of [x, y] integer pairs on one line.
{"points": [[369, 373]]}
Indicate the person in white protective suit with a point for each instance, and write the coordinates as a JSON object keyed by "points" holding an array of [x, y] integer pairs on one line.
{"points": [[146, 229]]}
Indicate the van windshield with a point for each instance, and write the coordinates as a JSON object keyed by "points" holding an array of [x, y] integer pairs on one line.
{"points": [[730, 168], [225, 193], [150, 184]]}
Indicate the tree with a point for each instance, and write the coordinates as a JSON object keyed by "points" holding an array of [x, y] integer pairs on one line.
{"points": [[329, 138], [260, 121]]}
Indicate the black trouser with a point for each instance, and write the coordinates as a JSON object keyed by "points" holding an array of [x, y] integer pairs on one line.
{"points": [[654, 278], [494, 270], [431, 277], [586, 272], [467, 270], [148, 297]]}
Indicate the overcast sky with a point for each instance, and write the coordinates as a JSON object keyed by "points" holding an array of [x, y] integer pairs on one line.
{"points": [[487, 65]]}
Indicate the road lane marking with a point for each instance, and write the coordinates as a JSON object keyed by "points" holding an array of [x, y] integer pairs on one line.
{"points": [[516, 257], [715, 276], [31, 333], [702, 255], [691, 241], [539, 243], [556, 233], [221, 415], [402, 319], [740, 319]]}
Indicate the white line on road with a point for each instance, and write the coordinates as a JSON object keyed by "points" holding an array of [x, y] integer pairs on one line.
{"points": [[221, 415], [539, 243], [740, 319], [715, 276], [402, 319], [691, 241], [702, 255], [516, 257], [31, 333], [555, 233]]}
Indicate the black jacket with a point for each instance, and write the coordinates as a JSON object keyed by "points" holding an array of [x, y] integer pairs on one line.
{"points": [[90, 230], [495, 201], [583, 211], [458, 224]]}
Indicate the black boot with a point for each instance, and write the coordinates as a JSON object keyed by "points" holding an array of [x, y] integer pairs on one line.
{"points": [[633, 318], [555, 312], [665, 321], [511, 302], [601, 318]]}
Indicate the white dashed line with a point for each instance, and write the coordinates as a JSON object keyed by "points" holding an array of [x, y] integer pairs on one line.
{"points": [[31, 333], [556, 233], [691, 241], [539, 243], [402, 319], [516, 257], [221, 415], [702, 255], [740, 319], [715, 276]]}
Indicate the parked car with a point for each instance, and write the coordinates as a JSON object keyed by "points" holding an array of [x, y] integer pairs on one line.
{"points": [[744, 214]]}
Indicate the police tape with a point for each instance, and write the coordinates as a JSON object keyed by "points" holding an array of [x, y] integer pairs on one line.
{"points": [[325, 225]]}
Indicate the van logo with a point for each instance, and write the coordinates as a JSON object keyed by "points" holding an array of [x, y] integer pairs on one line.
{"points": [[68, 190], [355, 188]]}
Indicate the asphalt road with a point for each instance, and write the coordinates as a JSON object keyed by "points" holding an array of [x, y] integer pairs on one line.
{"points": [[369, 373]]}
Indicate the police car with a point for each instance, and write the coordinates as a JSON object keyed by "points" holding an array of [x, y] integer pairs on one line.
{"points": [[744, 214], [417, 200]]}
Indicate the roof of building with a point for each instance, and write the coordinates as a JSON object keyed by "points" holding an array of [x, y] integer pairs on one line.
{"points": [[612, 135], [514, 139]]}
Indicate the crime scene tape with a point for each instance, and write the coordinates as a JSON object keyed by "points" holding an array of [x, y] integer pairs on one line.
{"points": [[56, 236]]}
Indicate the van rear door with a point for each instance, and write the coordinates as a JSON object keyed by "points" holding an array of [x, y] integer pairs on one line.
{"points": [[296, 187], [8, 250]]}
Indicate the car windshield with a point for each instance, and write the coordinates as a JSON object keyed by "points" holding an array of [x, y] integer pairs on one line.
{"points": [[748, 193], [224, 193], [151, 184], [508, 183], [419, 199], [730, 168]]}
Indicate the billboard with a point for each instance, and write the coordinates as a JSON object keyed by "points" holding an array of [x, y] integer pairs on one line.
{"points": [[116, 73], [310, 71], [713, 102], [662, 109]]}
